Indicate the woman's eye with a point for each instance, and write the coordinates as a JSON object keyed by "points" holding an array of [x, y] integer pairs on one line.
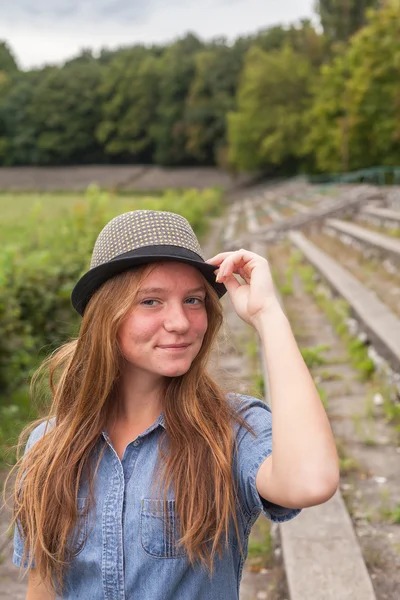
{"points": [[152, 302], [148, 302]]}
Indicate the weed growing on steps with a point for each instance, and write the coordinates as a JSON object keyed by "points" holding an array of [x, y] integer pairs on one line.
{"points": [[385, 511], [323, 396], [251, 344], [260, 549], [283, 282], [313, 356], [396, 514], [338, 312], [348, 464], [327, 375], [365, 430]]}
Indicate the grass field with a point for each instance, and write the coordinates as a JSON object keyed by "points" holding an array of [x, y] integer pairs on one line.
{"points": [[24, 216], [20, 212]]}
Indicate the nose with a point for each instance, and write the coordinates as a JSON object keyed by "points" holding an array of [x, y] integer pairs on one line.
{"points": [[176, 319]]}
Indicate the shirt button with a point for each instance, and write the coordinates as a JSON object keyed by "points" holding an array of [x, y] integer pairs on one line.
{"points": [[136, 442]]}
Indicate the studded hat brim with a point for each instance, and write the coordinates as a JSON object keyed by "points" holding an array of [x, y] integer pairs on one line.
{"points": [[95, 277]]}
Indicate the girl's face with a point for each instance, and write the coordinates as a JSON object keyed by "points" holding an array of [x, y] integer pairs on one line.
{"points": [[164, 330]]}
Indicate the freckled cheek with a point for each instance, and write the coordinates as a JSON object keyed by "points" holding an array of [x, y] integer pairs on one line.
{"points": [[138, 333], [199, 326]]}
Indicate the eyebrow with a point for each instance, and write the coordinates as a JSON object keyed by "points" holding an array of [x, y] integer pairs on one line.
{"points": [[158, 290]]}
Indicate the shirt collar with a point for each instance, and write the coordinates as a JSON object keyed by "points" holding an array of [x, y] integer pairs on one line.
{"points": [[160, 421]]}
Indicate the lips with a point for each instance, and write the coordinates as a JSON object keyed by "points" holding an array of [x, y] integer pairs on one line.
{"points": [[174, 346]]}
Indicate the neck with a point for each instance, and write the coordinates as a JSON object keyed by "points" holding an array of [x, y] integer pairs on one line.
{"points": [[140, 398]]}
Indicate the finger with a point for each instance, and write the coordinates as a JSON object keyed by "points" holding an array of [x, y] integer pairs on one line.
{"points": [[218, 258], [244, 274], [236, 260], [231, 283]]}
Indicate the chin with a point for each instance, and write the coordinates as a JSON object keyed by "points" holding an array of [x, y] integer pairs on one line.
{"points": [[176, 371]]}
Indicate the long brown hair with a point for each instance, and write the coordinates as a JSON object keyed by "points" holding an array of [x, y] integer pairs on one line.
{"points": [[195, 450]]}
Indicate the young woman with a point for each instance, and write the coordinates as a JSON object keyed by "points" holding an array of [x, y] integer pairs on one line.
{"points": [[145, 478]]}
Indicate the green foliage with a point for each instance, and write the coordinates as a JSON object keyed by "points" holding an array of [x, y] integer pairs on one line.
{"points": [[338, 311], [396, 514], [284, 100], [260, 549], [354, 120], [211, 96], [325, 120], [64, 111], [349, 465], [313, 357], [302, 38], [260, 386], [17, 131], [323, 396], [129, 93], [360, 359], [7, 60], [340, 20], [169, 131], [49, 117], [274, 93]]}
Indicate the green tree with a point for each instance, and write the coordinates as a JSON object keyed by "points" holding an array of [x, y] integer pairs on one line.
{"points": [[18, 132], [268, 127], [302, 38], [8, 70], [211, 96], [129, 95], [354, 121], [7, 61], [170, 131], [340, 19], [326, 121], [373, 104], [64, 110]]}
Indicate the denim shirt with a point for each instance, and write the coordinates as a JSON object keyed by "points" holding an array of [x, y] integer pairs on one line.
{"points": [[129, 553]]}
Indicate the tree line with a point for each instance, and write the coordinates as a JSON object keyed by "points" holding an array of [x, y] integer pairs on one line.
{"points": [[286, 99]]}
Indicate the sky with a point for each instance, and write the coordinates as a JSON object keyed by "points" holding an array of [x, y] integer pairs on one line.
{"points": [[51, 31]]}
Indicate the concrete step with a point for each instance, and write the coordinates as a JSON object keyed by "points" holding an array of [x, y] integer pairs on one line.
{"points": [[383, 215], [322, 556], [379, 322], [348, 204], [384, 243]]}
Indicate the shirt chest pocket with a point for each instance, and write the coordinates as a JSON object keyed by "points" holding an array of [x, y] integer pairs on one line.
{"points": [[159, 530]]}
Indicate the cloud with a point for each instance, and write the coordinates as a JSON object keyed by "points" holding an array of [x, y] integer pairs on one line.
{"points": [[51, 31], [52, 10]]}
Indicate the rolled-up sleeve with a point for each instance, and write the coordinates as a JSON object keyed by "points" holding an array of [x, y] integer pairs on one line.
{"points": [[251, 453], [18, 553]]}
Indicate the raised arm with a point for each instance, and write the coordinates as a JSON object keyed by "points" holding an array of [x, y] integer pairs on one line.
{"points": [[36, 589], [303, 469]]}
